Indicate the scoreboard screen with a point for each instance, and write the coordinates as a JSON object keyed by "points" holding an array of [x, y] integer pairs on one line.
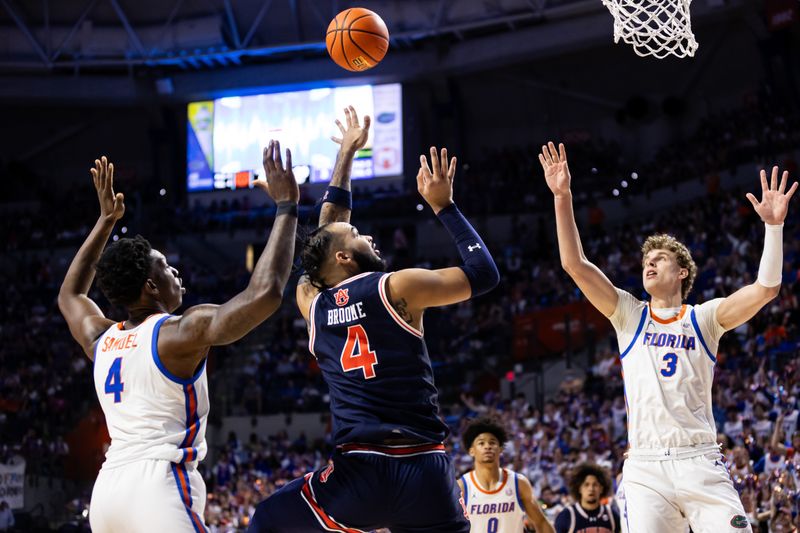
{"points": [[226, 136]]}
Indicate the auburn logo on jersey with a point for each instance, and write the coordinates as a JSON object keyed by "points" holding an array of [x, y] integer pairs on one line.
{"points": [[342, 297]]}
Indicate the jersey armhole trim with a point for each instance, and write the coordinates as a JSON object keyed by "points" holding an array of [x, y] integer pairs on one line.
{"points": [[573, 520], [519, 497], [610, 512], [311, 327], [157, 360], [636, 335], [96, 346], [466, 489], [392, 313], [700, 336]]}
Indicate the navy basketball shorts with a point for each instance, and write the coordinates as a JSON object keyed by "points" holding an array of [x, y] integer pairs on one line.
{"points": [[366, 487]]}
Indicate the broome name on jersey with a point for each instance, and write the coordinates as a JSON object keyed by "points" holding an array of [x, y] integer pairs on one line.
{"points": [[345, 314]]}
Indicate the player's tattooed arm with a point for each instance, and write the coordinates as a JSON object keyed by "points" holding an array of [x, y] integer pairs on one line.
{"points": [[353, 138], [84, 318], [401, 306]]}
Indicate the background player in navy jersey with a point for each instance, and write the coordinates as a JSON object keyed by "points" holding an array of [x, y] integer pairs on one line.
{"points": [[588, 485], [497, 499], [390, 468], [149, 370]]}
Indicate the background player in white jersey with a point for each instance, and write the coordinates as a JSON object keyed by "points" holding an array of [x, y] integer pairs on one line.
{"points": [[149, 370], [674, 470], [497, 499], [588, 485]]}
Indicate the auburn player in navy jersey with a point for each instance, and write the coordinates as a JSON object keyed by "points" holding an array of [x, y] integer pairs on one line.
{"points": [[588, 485], [390, 468]]}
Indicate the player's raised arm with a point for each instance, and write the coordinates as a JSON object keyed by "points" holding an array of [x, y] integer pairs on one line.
{"points": [[742, 305], [337, 202], [590, 280], [84, 318], [414, 289], [532, 509], [209, 325]]}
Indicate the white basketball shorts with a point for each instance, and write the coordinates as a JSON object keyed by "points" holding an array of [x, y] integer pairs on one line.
{"points": [[147, 496], [663, 496]]}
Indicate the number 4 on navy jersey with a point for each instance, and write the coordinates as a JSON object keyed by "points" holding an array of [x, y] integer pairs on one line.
{"points": [[357, 354]]}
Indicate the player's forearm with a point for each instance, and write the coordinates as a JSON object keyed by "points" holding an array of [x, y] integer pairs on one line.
{"points": [[478, 264], [770, 269], [336, 211], [80, 274], [569, 240], [273, 268]]}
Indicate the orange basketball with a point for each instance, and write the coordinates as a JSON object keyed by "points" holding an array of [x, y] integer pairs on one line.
{"points": [[357, 39]]}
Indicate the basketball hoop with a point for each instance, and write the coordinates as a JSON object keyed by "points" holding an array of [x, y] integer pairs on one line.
{"points": [[655, 28]]}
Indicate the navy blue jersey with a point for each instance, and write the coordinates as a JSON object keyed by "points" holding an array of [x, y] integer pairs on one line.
{"points": [[375, 364], [575, 519]]}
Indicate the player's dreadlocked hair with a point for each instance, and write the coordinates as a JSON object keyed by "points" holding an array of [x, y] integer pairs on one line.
{"points": [[123, 270], [485, 424], [313, 253], [584, 470], [662, 241]]}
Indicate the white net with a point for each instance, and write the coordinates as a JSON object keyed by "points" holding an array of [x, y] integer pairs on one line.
{"points": [[655, 28]]}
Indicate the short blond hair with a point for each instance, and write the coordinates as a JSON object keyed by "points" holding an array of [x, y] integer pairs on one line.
{"points": [[662, 241]]}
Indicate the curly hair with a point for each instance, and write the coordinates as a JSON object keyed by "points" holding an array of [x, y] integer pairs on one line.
{"points": [[662, 241], [123, 270], [481, 425], [314, 250], [584, 470]]}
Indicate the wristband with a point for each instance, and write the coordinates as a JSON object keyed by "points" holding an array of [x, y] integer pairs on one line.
{"points": [[338, 196], [286, 208]]}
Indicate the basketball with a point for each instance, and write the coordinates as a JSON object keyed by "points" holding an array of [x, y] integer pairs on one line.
{"points": [[357, 39]]}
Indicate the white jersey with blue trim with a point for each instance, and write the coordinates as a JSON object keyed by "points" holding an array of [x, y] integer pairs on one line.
{"points": [[496, 511], [668, 358], [150, 413]]}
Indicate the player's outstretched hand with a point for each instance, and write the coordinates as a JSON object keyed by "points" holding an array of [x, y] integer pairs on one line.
{"points": [[774, 204], [436, 186], [112, 206], [354, 137], [556, 171], [279, 183]]}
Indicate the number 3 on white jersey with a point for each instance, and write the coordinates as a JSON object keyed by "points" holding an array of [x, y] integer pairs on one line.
{"points": [[671, 359]]}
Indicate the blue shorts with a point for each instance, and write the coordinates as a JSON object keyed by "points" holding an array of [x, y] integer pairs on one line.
{"points": [[366, 487]]}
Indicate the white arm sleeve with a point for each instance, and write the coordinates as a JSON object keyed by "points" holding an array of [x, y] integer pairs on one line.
{"points": [[771, 267]]}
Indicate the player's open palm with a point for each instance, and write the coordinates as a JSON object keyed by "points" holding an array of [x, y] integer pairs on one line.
{"points": [[354, 137], [774, 202], [280, 183], [556, 171], [112, 206], [435, 182]]}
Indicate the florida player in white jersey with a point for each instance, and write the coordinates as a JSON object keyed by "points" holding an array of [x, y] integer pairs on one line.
{"points": [[497, 499], [149, 370], [674, 471]]}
